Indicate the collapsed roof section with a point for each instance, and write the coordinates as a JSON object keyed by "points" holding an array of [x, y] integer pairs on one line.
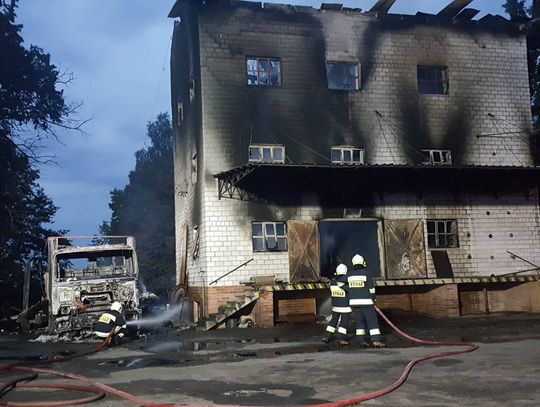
{"points": [[456, 12]]}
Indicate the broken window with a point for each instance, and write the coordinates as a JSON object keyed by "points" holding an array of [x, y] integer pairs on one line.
{"points": [[442, 233], [342, 76], [263, 71], [267, 153], [437, 157], [92, 265], [432, 80], [347, 155], [269, 236]]}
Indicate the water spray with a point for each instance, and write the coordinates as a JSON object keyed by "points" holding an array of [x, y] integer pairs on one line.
{"points": [[168, 314]]}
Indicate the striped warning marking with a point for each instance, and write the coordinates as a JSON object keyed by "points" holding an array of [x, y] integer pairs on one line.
{"points": [[408, 282]]}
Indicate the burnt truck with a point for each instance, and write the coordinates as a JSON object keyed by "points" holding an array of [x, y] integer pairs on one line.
{"points": [[85, 275]]}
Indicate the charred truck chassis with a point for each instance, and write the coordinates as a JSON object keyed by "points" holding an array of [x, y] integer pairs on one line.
{"points": [[77, 297]]}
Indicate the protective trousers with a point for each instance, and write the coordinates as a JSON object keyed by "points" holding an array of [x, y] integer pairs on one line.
{"points": [[339, 323], [366, 322]]}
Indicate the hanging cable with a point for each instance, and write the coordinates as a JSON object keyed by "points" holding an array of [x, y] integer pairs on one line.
{"points": [[385, 139]]}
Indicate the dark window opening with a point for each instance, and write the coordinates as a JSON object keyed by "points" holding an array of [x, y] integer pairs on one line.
{"points": [[432, 80], [442, 233], [263, 71], [342, 76], [437, 157], [269, 236]]}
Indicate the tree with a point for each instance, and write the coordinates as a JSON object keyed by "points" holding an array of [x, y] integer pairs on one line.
{"points": [[144, 208], [31, 108], [519, 12]]}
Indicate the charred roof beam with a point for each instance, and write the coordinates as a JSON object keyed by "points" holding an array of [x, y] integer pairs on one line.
{"points": [[454, 8], [382, 6], [466, 14]]}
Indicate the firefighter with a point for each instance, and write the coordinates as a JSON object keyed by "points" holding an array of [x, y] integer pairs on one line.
{"points": [[112, 321], [361, 299], [341, 310]]}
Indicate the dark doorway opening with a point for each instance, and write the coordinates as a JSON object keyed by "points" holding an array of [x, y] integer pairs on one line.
{"points": [[340, 240]]}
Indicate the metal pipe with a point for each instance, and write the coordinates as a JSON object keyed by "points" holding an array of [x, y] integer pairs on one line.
{"points": [[229, 272]]}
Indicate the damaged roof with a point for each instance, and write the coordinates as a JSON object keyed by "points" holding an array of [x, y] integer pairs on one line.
{"points": [[456, 12]]}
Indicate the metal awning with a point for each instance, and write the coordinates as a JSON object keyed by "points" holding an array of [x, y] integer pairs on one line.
{"points": [[353, 184]]}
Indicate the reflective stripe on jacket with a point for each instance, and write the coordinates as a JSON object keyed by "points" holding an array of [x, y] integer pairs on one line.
{"points": [[108, 321], [338, 291], [360, 286]]}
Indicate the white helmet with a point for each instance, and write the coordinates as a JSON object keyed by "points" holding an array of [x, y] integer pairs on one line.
{"points": [[116, 306], [341, 269], [358, 260]]}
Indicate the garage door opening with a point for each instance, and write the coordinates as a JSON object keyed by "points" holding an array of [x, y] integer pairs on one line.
{"points": [[340, 240]]}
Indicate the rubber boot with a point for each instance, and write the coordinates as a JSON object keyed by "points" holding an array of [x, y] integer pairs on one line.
{"points": [[378, 344], [329, 338], [360, 341], [342, 340]]}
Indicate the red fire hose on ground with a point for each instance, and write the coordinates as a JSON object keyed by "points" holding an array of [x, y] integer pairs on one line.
{"points": [[98, 390]]}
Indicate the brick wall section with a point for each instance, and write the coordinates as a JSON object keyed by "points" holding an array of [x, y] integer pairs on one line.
{"points": [[402, 301], [296, 306], [264, 310], [520, 298], [473, 302], [439, 302]]}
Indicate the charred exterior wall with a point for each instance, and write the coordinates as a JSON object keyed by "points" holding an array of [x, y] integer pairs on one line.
{"points": [[188, 146], [488, 94]]}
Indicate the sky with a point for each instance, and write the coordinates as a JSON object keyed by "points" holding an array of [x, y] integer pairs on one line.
{"points": [[118, 51]]}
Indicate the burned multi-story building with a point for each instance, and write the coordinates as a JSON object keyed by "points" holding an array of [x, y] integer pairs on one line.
{"points": [[304, 136]]}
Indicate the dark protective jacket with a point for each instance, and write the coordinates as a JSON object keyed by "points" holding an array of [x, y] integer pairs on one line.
{"points": [[361, 288], [338, 289], [108, 321]]}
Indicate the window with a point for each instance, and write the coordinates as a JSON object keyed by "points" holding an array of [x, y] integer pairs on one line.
{"points": [[266, 153], [269, 236], [442, 233], [342, 76], [263, 71], [194, 165], [432, 80], [347, 155], [437, 157]]}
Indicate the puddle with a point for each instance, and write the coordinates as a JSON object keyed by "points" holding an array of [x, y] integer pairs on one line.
{"points": [[174, 346]]}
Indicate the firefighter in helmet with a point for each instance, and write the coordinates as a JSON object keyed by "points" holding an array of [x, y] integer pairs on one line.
{"points": [[361, 290], [112, 321], [341, 311]]}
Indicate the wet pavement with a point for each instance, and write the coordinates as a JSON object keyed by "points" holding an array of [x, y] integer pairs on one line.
{"points": [[289, 365]]}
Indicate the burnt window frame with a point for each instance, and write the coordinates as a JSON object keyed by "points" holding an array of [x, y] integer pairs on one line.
{"points": [[261, 158], [430, 154], [266, 238], [427, 81], [258, 59], [352, 150], [438, 237], [357, 78]]}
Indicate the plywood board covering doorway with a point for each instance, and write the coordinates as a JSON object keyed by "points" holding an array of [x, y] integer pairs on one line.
{"points": [[405, 249], [303, 242]]}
